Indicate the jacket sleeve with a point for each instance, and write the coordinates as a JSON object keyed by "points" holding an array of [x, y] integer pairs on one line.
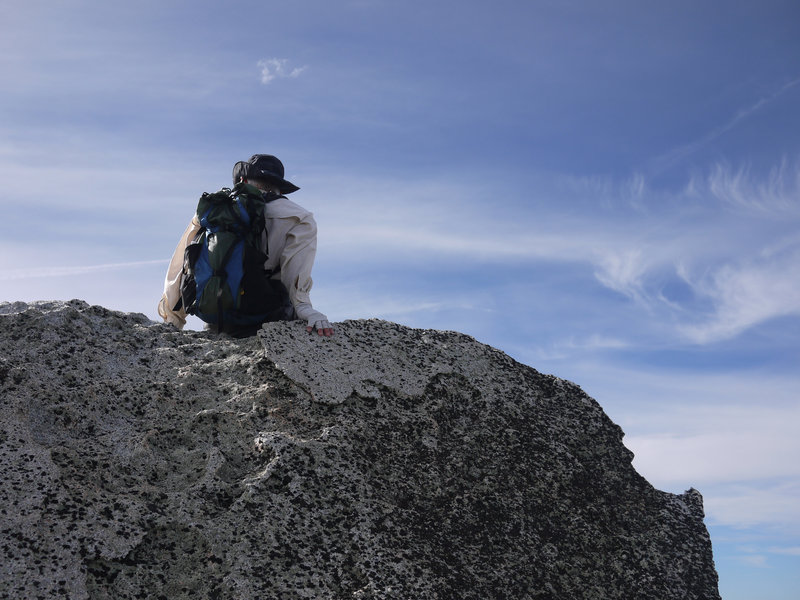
{"points": [[299, 234], [172, 282]]}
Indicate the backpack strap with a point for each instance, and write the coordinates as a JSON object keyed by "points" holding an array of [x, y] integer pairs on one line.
{"points": [[223, 275]]}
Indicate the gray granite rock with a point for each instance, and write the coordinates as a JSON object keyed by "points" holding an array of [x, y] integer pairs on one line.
{"points": [[386, 462]]}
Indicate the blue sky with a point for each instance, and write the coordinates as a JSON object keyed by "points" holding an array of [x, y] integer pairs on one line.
{"points": [[609, 192]]}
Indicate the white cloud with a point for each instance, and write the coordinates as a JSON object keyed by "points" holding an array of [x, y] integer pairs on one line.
{"points": [[96, 171], [733, 436], [358, 300], [278, 68], [623, 270], [572, 345], [790, 551], [777, 194], [754, 560], [755, 505], [719, 239], [47, 272], [674, 156], [747, 294], [596, 341], [736, 454], [730, 237], [743, 426]]}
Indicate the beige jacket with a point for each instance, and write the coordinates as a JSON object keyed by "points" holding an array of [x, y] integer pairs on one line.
{"points": [[292, 235]]}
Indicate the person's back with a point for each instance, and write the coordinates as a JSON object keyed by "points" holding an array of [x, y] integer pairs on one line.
{"points": [[289, 241]]}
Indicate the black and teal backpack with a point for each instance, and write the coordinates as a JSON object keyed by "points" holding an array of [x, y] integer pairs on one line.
{"points": [[224, 281]]}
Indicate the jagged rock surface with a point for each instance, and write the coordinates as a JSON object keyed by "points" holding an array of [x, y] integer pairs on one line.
{"points": [[386, 462]]}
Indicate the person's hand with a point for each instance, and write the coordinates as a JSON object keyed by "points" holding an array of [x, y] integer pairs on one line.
{"points": [[175, 321], [322, 327]]}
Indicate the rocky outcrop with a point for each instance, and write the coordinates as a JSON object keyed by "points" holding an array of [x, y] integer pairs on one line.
{"points": [[386, 462]]}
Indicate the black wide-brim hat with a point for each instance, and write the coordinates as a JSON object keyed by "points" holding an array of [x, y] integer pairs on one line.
{"points": [[265, 167]]}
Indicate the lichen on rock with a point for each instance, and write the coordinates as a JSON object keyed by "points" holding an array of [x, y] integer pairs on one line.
{"points": [[385, 462]]}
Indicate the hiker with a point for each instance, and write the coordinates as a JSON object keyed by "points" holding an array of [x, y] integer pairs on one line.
{"points": [[269, 246]]}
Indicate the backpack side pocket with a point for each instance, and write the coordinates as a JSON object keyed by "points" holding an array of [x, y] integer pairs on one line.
{"points": [[189, 281]]}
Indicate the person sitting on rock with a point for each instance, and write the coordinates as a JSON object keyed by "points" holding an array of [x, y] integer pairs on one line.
{"points": [[291, 245]]}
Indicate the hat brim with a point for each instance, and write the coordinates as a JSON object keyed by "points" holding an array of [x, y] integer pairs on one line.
{"points": [[285, 187], [247, 170]]}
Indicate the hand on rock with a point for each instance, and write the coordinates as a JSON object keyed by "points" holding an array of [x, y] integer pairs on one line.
{"points": [[323, 328]]}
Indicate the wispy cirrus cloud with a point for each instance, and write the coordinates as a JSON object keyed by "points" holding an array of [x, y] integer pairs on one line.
{"points": [[737, 443], [746, 294], [777, 194], [727, 242], [278, 68], [47, 272], [674, 156], [790, 551], [731, 435], [753, 505]]}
